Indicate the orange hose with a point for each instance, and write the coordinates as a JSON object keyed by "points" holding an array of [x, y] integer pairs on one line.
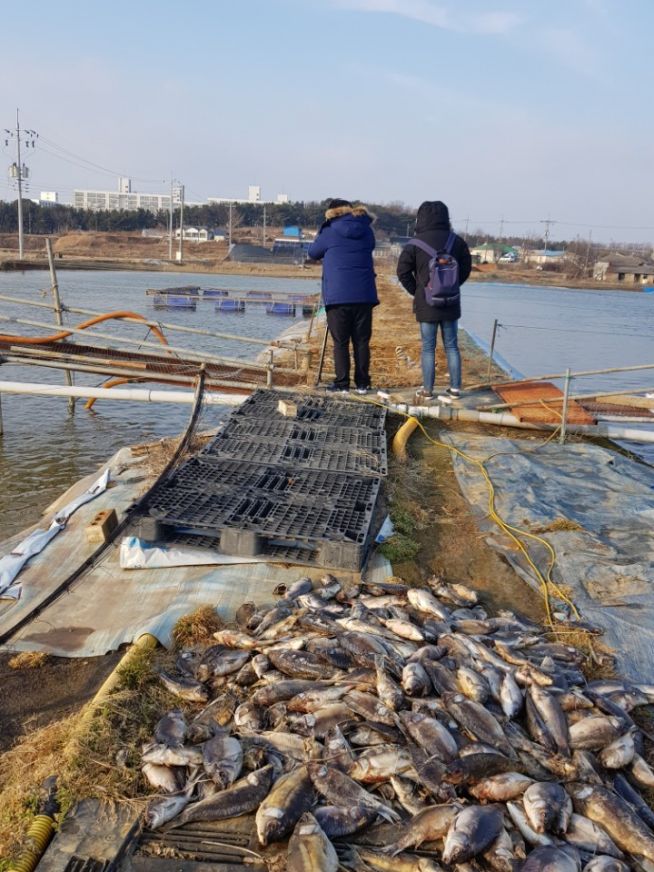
{"points": [[97, 319], [88, 405]]}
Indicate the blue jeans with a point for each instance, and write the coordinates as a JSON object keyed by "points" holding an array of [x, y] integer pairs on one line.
{"points": [[428, 331]]}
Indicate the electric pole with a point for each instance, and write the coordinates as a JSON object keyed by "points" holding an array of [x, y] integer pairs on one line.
{"points": [[547, 222], [264, 225], [170, 221], [180, 253], [19, 171]]}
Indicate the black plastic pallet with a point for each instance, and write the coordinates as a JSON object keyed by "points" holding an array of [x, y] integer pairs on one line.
{"points": [[214, 475], [306, 433], [284, 452], [313, 408]]}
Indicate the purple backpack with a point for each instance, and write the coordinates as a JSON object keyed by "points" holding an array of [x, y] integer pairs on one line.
{"points": [[442, 289]]}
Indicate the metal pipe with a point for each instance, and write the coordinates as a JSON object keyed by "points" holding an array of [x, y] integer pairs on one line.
{"points": [[122, 340], [566, 397], [140, 395], [504, 419], [133, 375], [57, 309], [78, 310], [492, 349]]}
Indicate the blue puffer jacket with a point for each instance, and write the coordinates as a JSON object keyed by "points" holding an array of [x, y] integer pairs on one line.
{"points": [[346, 243]]}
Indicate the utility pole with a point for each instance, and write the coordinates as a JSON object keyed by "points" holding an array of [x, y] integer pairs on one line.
{"points": [[180, 252], [170, 221], [590, 239], [229, 231], [547, 222], [467, 223], [264, 225], [19, 171]]}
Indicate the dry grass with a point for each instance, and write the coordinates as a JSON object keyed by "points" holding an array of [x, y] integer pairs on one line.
{"points": [[556, 525], [28, 660], [100, 761], [197, 628]]}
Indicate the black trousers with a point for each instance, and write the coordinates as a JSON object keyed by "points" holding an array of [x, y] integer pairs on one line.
{"points": [[351, 323]]}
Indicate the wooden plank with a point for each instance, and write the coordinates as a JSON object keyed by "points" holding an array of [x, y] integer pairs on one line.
{"points": [[547, 404]]}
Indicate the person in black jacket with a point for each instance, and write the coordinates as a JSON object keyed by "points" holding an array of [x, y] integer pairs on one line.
{"points": [[433, 227]]}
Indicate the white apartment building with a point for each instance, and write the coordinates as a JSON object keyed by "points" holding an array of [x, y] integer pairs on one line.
{"points": [[123, 198], [253, 198]]}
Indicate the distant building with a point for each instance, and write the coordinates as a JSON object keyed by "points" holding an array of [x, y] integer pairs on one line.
{"points": [[196, 234], [624, 268], [123, 198], [253, 198], [492, 252], [47, 198], [545, 256]]}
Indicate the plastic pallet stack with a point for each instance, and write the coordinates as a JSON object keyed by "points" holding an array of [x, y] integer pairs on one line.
{"points": [[301, 489]]}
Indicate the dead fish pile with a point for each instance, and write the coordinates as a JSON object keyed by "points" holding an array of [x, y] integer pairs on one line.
{"points": [[366, 722]]}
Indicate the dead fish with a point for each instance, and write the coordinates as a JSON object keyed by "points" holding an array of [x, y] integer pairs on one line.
{"points": [[365, 735], [429, 824], [472, 684], [511, 697], [338, 821], [404, 629], [623, 787], [289, 745], [472, 832], [406, 794], [217, 714], [616, 817], [546, 721], [586, 835], [642, 772], [299, 587], [548, 807], [291, 796], [243, 797], [218, 660], [442, 678], [312, 700], [171, 729], [309, 848], [603, 863], [273, 618], [339, 789], [380, 763], [160, 811], [551, 859], [300, 664], [164, 755], [337, 750], [502, 787], [388, 691], [415, 681], [478, 722], [280, 691], [369, 707], [233, 639], [184, 687], [383, 601], [260, 664], [519, 818], [249, 717], [430, 734], [619, 753], [364, 859], [222, 758], [501, 856], [426, 602], [320, 722], [161, 777], [476, 767], [244, 613], [594, 732]]}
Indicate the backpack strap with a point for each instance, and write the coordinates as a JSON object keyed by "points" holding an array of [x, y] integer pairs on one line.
{"points": [[423, 247], [451, 239]]}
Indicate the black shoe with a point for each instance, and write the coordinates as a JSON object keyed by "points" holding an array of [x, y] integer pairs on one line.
{"points": [[449, 396], [336, 389], [362, 391]]}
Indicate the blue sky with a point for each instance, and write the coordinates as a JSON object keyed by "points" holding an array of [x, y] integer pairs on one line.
{"points": [[523, 110]]}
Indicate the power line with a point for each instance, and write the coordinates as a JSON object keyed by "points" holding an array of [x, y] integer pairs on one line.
{"points": [[92, 164]]}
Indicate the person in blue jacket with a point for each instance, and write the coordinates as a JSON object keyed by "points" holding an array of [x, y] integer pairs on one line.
{"points": [[345, 244]]}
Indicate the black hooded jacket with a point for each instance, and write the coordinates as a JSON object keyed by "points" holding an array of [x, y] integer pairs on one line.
{"points": [[432, 227]]}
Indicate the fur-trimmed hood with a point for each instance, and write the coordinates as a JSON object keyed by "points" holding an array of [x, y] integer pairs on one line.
{"points": [[339, 211]]}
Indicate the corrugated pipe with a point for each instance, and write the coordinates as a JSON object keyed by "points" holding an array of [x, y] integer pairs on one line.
{"points": [[505, 419], [38, 839]]}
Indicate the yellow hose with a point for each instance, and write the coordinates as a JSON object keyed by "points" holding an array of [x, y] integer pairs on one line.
{"points": [[402, 437], [38, 838]]}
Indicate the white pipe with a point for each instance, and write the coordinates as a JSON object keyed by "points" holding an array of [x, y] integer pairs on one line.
{"points": [[504, 419], [140, 395]]}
